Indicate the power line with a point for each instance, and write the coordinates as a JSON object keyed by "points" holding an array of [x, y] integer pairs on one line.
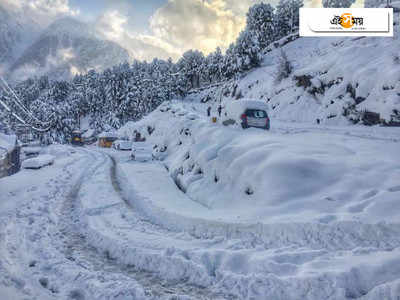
{"points": [[39, 125], [19, 103]]}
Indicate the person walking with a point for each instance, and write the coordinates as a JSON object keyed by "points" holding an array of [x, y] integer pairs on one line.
{"points": [[209, 111], [219, 110]]}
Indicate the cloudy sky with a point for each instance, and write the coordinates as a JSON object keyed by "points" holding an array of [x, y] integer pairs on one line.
{"points": [[155, 28], [163, 28]]}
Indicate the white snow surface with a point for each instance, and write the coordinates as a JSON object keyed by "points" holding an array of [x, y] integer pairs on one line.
{"points": [[320, 203], [97, 225], [142, 151], [286, 175], [303, 211]]}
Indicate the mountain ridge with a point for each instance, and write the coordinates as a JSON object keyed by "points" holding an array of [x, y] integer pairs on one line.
{"points": [[61, 50]]}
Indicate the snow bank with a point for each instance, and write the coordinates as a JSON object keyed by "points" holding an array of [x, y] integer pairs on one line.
{"points": [[255, 176], [38, 162], [305, 214]]}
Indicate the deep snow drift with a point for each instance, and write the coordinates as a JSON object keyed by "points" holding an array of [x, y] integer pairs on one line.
{"points": [[258, 176]]}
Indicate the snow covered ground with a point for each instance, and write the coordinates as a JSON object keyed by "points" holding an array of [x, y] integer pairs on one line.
{"points": [[334, 80], [299, 212]]}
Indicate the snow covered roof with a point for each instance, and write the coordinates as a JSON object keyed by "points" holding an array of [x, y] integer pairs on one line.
{"points": [[108, 135], [237, 107], [250, 103]]}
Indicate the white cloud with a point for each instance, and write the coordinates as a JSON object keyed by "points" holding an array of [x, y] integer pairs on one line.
{"points": [[178, 26], [197, 24], [112, 24], [66, 54]]}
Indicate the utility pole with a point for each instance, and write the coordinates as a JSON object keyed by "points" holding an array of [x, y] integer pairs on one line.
{"points": [[292, 17]]}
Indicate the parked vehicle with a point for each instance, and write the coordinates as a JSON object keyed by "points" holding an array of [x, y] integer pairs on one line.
{"points": [[247, 113], [77, 138], [106, 139], [31, 151], [142, 151], [122, 145], [38, 162]]}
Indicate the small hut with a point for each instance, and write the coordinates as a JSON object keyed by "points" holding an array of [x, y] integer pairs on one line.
{"points": [[10, 162], [106, 139]]}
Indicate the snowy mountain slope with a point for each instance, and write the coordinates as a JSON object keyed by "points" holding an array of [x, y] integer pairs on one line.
{"points": [[335, 80], [65, 48], [16, 31]]}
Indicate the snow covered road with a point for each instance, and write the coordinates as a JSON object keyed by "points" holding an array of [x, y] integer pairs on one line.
{"points": [[96, 225], [46, 254]]}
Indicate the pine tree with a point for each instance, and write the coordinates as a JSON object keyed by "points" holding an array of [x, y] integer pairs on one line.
{"points": [[247, 51], [374, 3], [190, 65], [284, 68], [260, 23], [287, 17], [337, 3]]}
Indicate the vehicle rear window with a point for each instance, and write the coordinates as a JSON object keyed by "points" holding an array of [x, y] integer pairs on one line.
{"points": [[256, 113]]}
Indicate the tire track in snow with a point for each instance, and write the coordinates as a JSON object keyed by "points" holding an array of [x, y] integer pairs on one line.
{"points": [[342, 236], [154, 287]]}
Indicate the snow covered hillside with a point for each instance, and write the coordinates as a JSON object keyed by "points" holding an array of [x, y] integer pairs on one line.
{"points": [[335, 80], [31, 47], [66, 48]]}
